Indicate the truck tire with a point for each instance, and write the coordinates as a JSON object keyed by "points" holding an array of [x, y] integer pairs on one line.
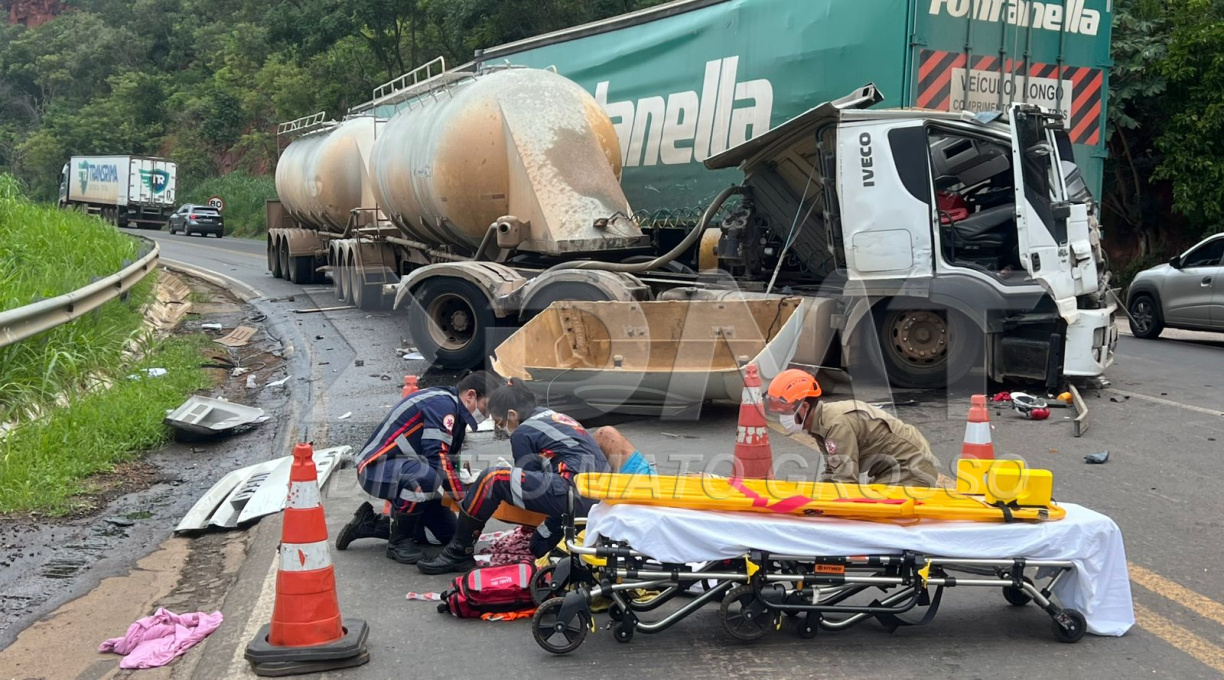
{"points": [[274, 264], [452, 323], [366, 296], [282, 252], [571, 291], [301, 269], [928, 348]]}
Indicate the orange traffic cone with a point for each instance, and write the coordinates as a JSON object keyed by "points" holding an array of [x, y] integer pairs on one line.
{"points": [[977, 431], [307, 633], [753, 454], [410, 386]]}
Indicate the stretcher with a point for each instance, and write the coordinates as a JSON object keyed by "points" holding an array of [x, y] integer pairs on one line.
{"points": [[822, 574], [987, 491]]}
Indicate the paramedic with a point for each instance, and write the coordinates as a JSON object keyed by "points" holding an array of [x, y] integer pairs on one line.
{"points": [[411, 459], [549, 449], [854, 436]]}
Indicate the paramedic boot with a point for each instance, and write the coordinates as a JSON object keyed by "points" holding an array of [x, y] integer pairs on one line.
{"points": [[457, 555], [400, 546], [365, 524]]}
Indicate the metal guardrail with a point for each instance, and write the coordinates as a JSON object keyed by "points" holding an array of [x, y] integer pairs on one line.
{"points": [[20, 323]]}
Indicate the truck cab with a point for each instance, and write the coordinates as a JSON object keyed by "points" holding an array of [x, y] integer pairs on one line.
{"points": [[959, 239]]}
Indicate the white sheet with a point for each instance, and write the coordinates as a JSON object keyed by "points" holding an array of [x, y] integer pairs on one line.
{"points": [[1099, 588]]}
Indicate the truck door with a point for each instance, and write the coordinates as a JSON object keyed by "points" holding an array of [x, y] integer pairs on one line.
{"points": [[1054, 240]]}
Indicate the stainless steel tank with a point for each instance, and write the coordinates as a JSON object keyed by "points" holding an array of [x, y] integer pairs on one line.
{"points": [[516, 142], [323, 176]]}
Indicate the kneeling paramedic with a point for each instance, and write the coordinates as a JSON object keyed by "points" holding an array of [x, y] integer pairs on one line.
{"points": [[854, 436], [549, 449], [411, 459]]}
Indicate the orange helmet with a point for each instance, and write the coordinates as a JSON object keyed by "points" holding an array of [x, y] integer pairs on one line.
{"points": [[789, 388]]}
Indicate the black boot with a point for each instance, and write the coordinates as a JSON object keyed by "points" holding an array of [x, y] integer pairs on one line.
{"points": [[400, 546], [365, 524], [457, 555]]}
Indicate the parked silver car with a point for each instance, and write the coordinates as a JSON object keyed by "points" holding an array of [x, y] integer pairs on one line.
{"points": [[1188, 292]]}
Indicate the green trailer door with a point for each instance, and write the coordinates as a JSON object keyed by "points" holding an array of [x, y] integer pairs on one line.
{"points": [[694, 78], [982, 55]]}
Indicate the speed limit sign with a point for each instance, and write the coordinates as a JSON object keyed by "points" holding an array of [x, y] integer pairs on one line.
{"points": [[216, 203]]}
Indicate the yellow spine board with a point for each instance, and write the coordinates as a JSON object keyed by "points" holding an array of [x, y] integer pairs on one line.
{"points": [[829, 499]]}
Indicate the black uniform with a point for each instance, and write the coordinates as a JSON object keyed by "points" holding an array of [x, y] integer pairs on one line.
{"points": [[411, 457], [549, 449]]}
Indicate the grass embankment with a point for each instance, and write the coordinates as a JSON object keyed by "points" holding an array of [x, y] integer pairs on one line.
{"points": [[244, 197], [66, 431]]}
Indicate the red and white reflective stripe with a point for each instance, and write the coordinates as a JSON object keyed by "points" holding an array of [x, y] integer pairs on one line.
{"points": [[977, 433], [752, 395], [304, 556], [303, 496], [750, 435]]}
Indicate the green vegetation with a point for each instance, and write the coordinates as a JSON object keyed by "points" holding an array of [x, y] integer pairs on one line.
{"points": [[67, 430], [44, 464], [244, 196], [35, 264], [205, 81]]}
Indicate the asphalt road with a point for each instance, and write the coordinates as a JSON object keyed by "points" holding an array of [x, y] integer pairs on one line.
{"points": [[1162, 421]]}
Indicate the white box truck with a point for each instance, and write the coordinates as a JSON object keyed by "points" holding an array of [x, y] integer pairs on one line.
{"points": [[124, 190]]}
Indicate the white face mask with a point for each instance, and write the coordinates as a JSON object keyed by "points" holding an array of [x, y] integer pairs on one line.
{"points": [[478, 416], [790, 423]]}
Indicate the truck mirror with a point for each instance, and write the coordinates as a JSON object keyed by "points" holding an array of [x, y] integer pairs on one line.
{"points": [[1061, 211]]}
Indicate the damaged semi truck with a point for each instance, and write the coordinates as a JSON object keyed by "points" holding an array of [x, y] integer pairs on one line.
{"points": [[929, 241]]}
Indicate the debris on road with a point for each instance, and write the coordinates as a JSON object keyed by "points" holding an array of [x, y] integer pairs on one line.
{"points": [[148, 373], [156, 640], [278, 383], [359, 362], [412, 356], [1097, 458], [346, 416], [119, 521], [252, 492], [250, 382], [321, 309], [239, 337], [211, 326], [206, 416]]}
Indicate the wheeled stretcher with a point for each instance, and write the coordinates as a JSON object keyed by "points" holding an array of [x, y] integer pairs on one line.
{"points": [[826, 574]]}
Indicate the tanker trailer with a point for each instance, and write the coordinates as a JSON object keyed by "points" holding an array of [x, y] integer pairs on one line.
{"points": [[321, 178]]}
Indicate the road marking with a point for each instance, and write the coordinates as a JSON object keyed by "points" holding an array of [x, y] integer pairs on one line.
{"points": [[243, 253], [261, 612], [1183, 639], [1168, 402], [242, 290], [1195, 602]]}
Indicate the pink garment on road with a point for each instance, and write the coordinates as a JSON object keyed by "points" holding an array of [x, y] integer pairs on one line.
{"points": [[157, 640]]}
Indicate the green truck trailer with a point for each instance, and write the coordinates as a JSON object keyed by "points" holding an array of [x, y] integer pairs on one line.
{"points": [[689, 79]]}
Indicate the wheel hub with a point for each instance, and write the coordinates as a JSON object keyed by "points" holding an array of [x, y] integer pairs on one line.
{"points": [[920, 337]]}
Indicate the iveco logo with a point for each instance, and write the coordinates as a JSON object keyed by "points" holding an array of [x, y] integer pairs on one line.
{"points": [[684, 127], [865, 160]]}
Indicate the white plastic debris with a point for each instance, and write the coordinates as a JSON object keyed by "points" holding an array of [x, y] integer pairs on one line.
{"points": [[346, 416], [148, 373], [211, 326], [414, 356], [278, 383], [250, 382]]}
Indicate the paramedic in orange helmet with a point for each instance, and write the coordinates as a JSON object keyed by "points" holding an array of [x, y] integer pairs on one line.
{"points": [[854, 436]]}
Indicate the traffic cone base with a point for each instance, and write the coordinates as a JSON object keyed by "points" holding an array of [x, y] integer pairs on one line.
{"points": [[307, 633], [753, 453]]}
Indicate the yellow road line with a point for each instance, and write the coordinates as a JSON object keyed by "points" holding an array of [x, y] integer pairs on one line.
{"points": [[1195, 602], [1183, 639]]}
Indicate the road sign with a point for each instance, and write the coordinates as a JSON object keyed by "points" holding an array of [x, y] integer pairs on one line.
{"points": [[216, 203]]}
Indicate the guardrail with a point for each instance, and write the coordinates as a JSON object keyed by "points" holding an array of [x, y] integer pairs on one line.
{"points": [[20, 323]]}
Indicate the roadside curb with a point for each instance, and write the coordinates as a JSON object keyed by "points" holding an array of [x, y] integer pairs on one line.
{"points": [[241, 290]]}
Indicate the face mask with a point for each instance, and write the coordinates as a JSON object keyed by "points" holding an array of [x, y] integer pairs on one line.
{"points": [[478, 416], [790, 423]]}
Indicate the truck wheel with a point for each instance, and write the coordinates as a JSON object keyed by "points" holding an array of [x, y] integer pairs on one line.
{"points": [[568, 291], [282, 252], [927, 348], [301, 269], [274, 264], [366, 296], [451, 323]]}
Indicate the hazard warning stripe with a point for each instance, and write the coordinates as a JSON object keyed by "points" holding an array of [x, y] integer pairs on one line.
{"points": [[304, 556], [935, 86], [303, 495]]}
